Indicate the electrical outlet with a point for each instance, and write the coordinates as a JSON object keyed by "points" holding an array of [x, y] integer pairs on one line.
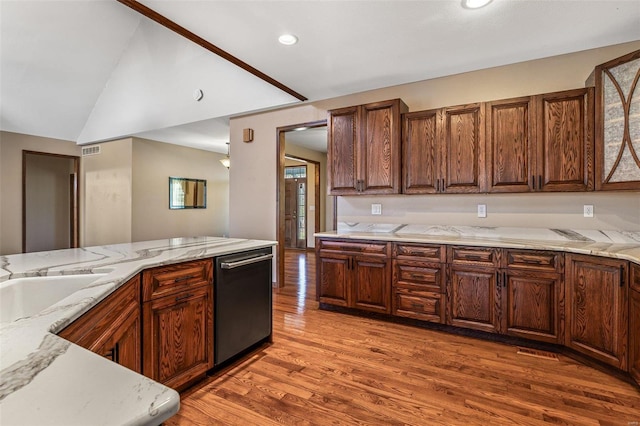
{"points": [[588, 210], [482, 210], [376, 209]]}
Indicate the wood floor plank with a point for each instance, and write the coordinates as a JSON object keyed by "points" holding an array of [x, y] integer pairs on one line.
{"points": [[328, 368]]}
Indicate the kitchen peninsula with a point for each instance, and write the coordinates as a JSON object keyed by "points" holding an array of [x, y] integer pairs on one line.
{"points": [[45, 379]]}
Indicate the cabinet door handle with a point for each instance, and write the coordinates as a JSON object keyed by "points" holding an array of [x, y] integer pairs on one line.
{"points": [[183, 297], [185, 278], [498, 283], [622, 280], [437, 185], [533, 182], [539, 182], [504, 279], [442, 186]]}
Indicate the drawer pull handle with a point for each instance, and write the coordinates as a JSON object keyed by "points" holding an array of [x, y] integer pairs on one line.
{"points": [[473, 257], [183, 297], [185, 278], [416, 276], [415, 305]]}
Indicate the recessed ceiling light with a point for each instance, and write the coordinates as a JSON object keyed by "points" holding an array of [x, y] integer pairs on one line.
{"points": [[288, 39], [475, 4]]}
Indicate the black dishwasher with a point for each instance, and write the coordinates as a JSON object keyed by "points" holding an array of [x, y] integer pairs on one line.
{"points": [[242, 302]]}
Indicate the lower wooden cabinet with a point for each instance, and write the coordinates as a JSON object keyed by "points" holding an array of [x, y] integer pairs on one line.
{"points": [[113, 327], [354, 274], [597, 308], [634, 322], [178, 325]]}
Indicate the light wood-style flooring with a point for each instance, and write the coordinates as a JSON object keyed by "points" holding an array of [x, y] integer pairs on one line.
{"points": [[327, 368]]}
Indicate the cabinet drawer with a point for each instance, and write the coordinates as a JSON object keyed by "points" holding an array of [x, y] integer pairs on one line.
{"points": [[634, 277], [420, 275], [433, 253], [473, 256], [165, 280], [530, 259], [419, 305], [374, 248]]}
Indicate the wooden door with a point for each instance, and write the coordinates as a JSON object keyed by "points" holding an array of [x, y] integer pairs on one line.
{"points": [[532, 304], [371, 285], [510, 138], [463, 156], [334, 278], [290, 213], [473, 298], [178, 337], [422, 138], [597, 308], [565, 141], [343, 138], [123, 344], [379, 149]]}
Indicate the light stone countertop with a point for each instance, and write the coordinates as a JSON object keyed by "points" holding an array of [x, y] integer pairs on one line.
{"points": [[46, 380], [615, 244]]}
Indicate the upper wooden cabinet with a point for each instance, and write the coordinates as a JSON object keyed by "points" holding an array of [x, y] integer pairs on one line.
{"points": [[364, 148], [618, 123], [541, 143], [443, 150]]}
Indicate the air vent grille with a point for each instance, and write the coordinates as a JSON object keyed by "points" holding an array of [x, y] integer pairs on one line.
{"points": [[90, 150]]}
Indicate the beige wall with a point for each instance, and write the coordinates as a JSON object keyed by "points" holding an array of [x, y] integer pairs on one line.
{"points": [[255, 180], [107, 179], [153, 163], [11, 147]]}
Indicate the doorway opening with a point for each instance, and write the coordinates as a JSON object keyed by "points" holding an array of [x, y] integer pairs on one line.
{"points": [[296, 147], [50, 207]]}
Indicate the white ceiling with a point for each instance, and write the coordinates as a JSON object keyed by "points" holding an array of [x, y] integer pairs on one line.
{"points": [[91, 70]]}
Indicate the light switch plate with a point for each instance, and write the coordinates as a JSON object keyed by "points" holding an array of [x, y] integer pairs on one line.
{"points": [[376, 209], [482, 210]]}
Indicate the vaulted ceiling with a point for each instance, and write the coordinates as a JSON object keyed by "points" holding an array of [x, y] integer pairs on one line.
{"points": [[93, 70]]}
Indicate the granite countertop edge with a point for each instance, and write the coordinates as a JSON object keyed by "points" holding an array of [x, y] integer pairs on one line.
{"points": [[82, 387]]}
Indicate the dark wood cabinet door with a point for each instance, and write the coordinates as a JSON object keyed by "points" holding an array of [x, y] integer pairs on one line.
{"points": [[463, 155], [334, 277], [634, 322], [379, 151], [371, 287], [473, 298], [565, 140], [422, 138], [532, 303], [113, 327], [510, 139], [178, 337], [597, 308], [343, 140]]}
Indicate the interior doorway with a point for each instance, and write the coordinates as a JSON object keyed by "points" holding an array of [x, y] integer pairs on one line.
{"points": [[49, 201], [320, 208]]}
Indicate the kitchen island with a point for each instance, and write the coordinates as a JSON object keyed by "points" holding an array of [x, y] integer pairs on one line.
{"points": [[45, 379]]}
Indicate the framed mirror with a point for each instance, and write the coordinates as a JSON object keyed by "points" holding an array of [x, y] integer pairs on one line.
{"points": [[185, 193]]}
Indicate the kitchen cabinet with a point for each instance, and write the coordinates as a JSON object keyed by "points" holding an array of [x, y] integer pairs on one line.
{"points": [[443, 150], [363, 153], [541, 143], [354, 274], [178, 322], [113, 327], [634, 322], [532, 299], [473, 295], [419, 281], [597, 308], [617, 123]]}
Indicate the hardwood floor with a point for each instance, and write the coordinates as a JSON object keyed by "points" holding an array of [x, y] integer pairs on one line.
{"points": [[326, 368]]}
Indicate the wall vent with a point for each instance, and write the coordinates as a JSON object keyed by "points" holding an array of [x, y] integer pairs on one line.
{"points": [[90, 150]]}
